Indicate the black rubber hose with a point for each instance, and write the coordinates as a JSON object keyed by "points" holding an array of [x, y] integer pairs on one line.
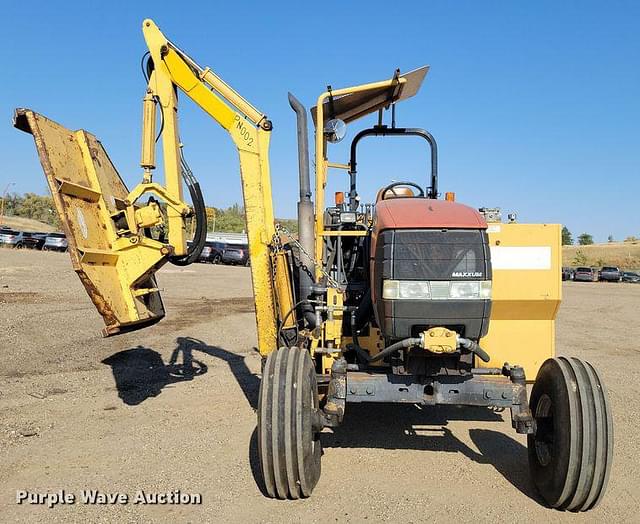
{"points": [[405, 343], [363, 313], [362, 355], [200, 215], [286, 317], [480, 352], [472, 346], [146, 72]]}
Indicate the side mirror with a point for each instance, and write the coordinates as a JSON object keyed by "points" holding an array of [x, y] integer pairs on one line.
{"points": [[335, 130]]}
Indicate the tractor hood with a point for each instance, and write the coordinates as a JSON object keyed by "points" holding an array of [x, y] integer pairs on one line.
{"points": [[400, 213]]}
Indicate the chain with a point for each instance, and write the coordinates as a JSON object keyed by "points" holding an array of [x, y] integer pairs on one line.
{"points": [[278, 245]]}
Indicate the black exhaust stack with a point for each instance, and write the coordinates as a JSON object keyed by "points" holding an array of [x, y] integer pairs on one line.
{"points": [[305, 209]]}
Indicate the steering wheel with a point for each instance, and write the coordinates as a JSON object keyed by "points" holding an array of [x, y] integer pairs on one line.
{"points": [[395, 184]]}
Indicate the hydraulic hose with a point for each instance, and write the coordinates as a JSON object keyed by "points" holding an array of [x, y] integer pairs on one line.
{"points": [[405, 343], [286, 317], [200, 212], [465, 343], [364, 311], [472, 346], [361, 353], [200, 216]]}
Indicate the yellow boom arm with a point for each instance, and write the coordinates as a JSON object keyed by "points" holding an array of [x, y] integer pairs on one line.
{"points": [[251, 132], [105, 223]]}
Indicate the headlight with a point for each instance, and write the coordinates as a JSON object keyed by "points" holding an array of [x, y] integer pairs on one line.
{"points": [[348, 217], [390, 289], [464, 290], [436, 290], [410, 289], [405, 289]]}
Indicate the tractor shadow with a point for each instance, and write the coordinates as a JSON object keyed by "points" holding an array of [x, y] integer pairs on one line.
{"points": [[388, 426], [140, 373]]}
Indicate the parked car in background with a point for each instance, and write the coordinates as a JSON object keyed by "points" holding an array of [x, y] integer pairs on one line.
{"points": [[8, 237], [236, 254], [567, 273], [585, 274], [55, 242], [42, 237], [629, 276], [610, 274], [212, 252], [27, 239]]}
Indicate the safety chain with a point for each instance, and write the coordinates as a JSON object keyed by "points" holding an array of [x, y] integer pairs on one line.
{"points": [[278, 245]]}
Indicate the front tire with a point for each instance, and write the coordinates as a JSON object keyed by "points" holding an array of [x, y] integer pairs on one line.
{"points": [[288, 415], [570, 454]]}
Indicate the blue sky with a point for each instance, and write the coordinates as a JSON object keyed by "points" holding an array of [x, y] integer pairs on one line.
{"points": [[535, 105]]}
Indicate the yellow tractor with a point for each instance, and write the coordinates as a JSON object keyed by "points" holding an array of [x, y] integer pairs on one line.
{"points": [[412, 298]]}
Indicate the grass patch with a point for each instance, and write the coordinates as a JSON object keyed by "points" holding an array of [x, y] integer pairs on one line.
{"points": [[26, 224], [625, 255]]}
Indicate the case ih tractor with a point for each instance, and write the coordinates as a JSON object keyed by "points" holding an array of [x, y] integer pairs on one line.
{"points": [[411, 298]]}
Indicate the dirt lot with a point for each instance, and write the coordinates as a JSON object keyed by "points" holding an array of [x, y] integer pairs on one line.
{"points": [[81, 412]]}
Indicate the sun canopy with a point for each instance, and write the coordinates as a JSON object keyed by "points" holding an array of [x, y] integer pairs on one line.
{"points": [[352, 106]]}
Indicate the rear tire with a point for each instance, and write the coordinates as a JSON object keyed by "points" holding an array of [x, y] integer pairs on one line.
{"points": [[216, 259], [571, 453], [288, 438]]}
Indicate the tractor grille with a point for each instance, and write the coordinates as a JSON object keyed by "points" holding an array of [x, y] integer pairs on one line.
{"points": [[435, 255], [431, 255]]}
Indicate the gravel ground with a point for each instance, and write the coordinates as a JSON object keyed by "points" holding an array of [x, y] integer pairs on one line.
{"points": [[80, 412]]}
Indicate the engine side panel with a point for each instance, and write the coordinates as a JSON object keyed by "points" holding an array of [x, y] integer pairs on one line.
{"points": [[526, 295]]}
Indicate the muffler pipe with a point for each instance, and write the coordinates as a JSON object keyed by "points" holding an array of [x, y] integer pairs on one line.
{"points": [[305, 211]]}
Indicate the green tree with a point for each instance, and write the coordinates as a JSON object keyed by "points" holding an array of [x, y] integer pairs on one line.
{"points": [[290, 224], [232, 220], [567, 239], [585, 239], [30, 205], [11, 203], [580, 259]]}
